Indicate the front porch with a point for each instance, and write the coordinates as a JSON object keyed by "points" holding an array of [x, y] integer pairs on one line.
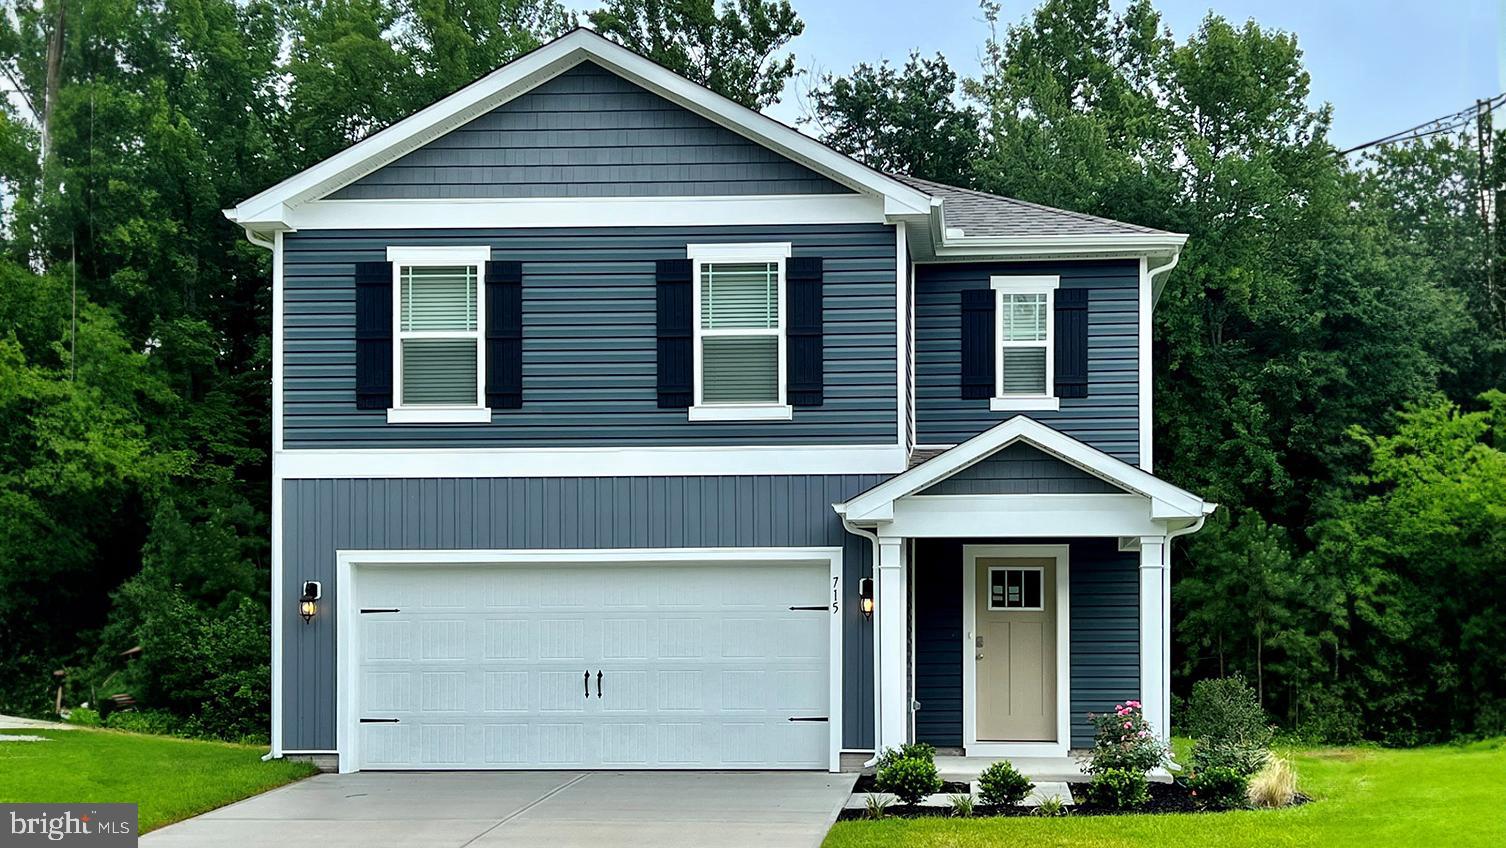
{"points": [[1022, 583]]}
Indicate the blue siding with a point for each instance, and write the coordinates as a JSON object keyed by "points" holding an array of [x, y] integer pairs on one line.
{"points": [[1021, 470], [1108, 419], [323, 516], [589, 340], [1105, 633], [589, 133]]}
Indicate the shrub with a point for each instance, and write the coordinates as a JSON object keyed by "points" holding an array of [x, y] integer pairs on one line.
{"points": [[84, 717], [1002, 785], [1050, 808], [908, 751], [1124, 740], [962, 806], [1219, 788], [1275, 785], [1119, 789], [1230, 728], [875, 806], [909, 779], [155, 722]]}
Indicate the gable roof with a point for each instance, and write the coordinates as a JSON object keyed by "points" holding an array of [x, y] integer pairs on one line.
{"points": [[1167, 501], [978, 213]]}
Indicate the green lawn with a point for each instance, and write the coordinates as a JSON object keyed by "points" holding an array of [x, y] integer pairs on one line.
{"points": [[169, 779], [1452, 796]]}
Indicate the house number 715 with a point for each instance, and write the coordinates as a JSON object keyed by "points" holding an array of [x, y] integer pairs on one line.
{"points": [[835, 594]]}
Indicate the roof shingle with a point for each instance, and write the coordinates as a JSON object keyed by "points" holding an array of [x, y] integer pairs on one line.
{"points": [[978, 213]]}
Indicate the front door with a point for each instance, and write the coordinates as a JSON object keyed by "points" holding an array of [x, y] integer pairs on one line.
{"points": [[1015, 648]]}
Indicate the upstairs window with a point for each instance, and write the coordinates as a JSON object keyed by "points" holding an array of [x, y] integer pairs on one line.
{"points": [[438, 299], [740, 332], [1024, 345]]}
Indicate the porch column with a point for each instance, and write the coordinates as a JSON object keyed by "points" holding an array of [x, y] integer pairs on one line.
{"points": [[892, 604], [1155, 621]]}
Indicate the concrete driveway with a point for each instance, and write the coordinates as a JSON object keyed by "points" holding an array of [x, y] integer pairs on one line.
{"points": [[554, 809]]}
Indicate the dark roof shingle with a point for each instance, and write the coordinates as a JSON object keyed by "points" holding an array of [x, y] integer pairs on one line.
{"points": [[978, 213]]}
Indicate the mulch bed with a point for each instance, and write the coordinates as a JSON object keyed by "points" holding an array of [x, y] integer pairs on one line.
{"points": [[869, 783], [1164, 798]]}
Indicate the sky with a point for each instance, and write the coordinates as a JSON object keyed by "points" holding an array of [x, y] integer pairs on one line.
{"points": [[1385, 65]]}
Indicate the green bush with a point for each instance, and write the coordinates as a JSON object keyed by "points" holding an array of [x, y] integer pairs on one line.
{"points": [[1119, 789], [1229, 727], [909, 779], [908, 751], [1219, 788], [155, 722], [1123, 739], [1000, 784], [84, 717]]}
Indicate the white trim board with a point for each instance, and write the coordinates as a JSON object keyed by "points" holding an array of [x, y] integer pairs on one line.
{"points": [[589, 462], [348, 563], [970, 744]]}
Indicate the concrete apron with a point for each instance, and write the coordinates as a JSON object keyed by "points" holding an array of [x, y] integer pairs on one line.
{"points": [[557, 809]]}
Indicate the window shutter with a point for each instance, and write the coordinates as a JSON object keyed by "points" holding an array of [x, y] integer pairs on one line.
{"points": [[978, 341], [504, 335], [373, 335], [676, 341], [804, 353], [1072, 343]]}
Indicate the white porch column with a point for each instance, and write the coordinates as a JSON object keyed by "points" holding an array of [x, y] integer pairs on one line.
{"points": [[892, 604], [1155, 621]]}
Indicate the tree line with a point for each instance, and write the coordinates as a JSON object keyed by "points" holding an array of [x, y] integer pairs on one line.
{"points": [[1324, 352]]}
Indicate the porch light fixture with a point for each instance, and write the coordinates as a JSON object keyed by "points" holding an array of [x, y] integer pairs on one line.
{"points": [[308, 604], [865, 597]]}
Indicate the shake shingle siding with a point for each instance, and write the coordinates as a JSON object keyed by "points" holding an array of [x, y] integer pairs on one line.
{"points": [[588, 133], [589, 339], [1107, 419]]}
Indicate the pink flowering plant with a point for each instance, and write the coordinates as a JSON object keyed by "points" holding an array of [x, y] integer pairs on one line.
{"points": [[1125, 740]]}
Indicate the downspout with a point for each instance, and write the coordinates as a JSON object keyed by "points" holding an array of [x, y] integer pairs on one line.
{"points": [[877, 701], [259, 241], [1156, 286]]}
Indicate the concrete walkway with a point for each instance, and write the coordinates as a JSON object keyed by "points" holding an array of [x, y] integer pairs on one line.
{"points": [[18, 723], [554, 809]]}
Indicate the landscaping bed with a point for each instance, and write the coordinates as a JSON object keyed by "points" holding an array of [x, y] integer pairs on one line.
{"points": [[1164, 798], [869, 783]]}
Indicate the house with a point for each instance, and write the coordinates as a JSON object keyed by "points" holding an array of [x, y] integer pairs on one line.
{"points": [[619, 426]]}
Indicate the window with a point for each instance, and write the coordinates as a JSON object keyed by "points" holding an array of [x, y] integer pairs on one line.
{"points": [[1024, 320], [1015, 589], [437, 373], [740, 341]]}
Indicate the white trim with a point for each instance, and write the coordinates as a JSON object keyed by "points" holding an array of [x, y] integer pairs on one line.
{"points": [[308, 751], [439, 415], [593, 462], [1021, 516], [970, 744], [277, 612], [1025, 283], [417, 255], [535, 68], [277, 332], [1155, 625], [904, 318], [1010, 285], [769, 253], [1022, 568], [412, 256], [1167, 501], [347, 562], [1024, 403], [1143, 358], [891, 596]]}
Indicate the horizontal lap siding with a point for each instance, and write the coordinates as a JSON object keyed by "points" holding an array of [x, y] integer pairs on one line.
{"points": [[325, 516], [588, 133], [589, 337], [1104, 629], [1021, 470], [1107, 419]]}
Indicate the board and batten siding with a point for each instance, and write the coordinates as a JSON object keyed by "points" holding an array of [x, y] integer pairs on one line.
{"points": [[1107, 419], [589, 339], [1020, 469], [325, 516], [1104, 633], [588, 133]]}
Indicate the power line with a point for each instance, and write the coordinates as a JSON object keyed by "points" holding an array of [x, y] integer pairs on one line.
{"points": [[1447, 123]]}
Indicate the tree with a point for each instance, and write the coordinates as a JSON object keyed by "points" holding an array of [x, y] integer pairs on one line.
{"points": [[906, 122], [730, 50]]}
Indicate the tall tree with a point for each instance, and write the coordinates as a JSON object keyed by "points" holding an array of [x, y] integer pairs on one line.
{"points": [[734, 50]]}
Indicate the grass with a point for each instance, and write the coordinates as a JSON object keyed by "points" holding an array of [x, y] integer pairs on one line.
{"points": [[1452, 796], [168, 779]]}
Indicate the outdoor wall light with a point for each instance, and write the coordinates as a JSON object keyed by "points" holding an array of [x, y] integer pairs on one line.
{"points": [[865, 597], [308, 604]]}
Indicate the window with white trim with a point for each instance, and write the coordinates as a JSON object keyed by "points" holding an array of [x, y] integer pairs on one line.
{"points": [[740, 324], [437, 306], [1024, 337], [1016, 589]]}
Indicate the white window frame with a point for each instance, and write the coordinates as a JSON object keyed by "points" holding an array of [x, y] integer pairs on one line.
{"points": [[1046, 285], [1041, 607], [704, 254], [417, 257]]}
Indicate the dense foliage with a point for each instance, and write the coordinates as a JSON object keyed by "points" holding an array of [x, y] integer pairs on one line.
{"points": [[1124, 741], [1001, 784], [1324, 351], [1227, 725]]}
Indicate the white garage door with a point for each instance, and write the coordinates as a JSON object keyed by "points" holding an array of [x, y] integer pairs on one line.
{"points": [[592, 666]]}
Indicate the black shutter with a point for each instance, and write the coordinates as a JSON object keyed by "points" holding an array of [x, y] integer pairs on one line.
{"points": [[504, 335], [676, 356], [1071, 343], [978, 343], [804, 352], [373, 335]]}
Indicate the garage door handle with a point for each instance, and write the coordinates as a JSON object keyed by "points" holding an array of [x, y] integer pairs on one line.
{"points": [[598, 684], [588, 683]]}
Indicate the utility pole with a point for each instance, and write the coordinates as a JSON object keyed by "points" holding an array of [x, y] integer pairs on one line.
{"points": [[1488, 191]]}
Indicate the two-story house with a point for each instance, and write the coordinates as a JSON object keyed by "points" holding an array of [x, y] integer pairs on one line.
{"points": [[619, 426]]}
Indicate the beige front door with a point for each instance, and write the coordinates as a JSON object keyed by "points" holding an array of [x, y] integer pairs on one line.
{"points": [[1015, 649]]}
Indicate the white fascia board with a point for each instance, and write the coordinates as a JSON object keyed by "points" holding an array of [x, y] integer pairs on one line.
{"points": [[1127, 244], [590, 462], [534, 68], [1176, 502], [1023, 516]]}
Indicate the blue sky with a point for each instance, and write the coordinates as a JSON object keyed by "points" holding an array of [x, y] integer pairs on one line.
{"points": [[1385, 65]]}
